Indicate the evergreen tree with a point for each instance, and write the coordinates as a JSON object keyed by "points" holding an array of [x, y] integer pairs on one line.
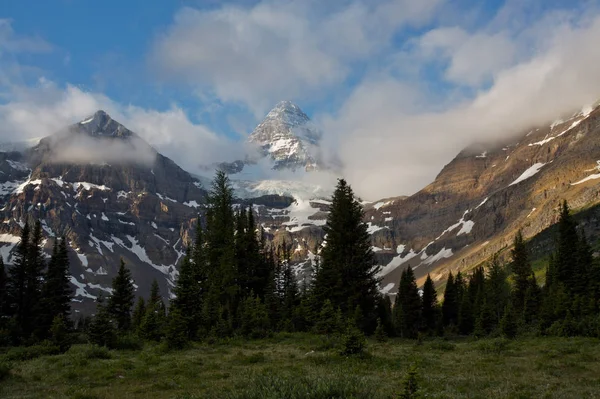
{"points": [[289, 291], [497, 290], [3, 296], [138, 314], [568, 243], [188, 292], [153, 322], [429, 306], [329, 322], [407, 309], [523, 274], [176, 335], [466, 318], [509, 323], [35, 271], [16, 284], [223, 289], [347, 274], [102, 329], [56, 291], [59, 333], [122, 298], [451, 304]]}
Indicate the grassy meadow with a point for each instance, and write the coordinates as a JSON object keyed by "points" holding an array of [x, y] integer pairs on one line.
{"points": [[309, 366]]}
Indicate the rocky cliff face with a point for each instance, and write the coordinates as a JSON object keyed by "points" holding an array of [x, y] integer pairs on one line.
{"points": [[480, 199], [144, 208]]}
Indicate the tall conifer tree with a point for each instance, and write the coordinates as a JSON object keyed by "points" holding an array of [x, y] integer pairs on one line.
{"points": [[347, 274], [121, 301]]}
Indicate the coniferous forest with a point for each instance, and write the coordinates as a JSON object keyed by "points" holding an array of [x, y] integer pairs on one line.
{"points": [[235, 285]]}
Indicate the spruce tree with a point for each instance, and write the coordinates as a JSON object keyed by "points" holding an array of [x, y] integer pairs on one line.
{"points": [[17, 280], [497, 289], [138, 314], [567, 247], [56, 291], [522, 272], [407, 308], [347, 274], [102, 329], [121, 301], [3, 295], [33, 291], [176, 335], [429, 306], [223, 289], [153, 322], [451, 303]]}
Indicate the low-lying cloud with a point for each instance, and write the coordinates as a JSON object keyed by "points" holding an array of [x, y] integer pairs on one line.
{"points": [[82, 149]]}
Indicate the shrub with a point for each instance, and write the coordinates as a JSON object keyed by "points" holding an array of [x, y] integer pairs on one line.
{"points": [[129, 342], [410, 386], [97, 352], [4, 370], [21, 353], [493, 346], [443, 346], [59, 333], [354, 342], [380, 334]]}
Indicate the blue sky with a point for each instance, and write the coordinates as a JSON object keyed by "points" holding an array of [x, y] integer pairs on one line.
{"points": [[201, 74]]}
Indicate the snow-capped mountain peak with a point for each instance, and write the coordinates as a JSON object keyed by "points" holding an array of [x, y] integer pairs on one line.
{"points": [[101, 124], [288, 137]]}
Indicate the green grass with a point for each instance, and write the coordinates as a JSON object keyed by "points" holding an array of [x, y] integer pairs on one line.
{"points": [[297, 366]]}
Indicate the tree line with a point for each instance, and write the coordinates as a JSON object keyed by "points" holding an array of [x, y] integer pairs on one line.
{"points": [[35, 295], [507, 298], [233, 281]]}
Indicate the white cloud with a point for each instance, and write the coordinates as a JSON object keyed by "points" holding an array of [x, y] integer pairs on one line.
{"points": [[393, 142], [10, 42], [279, 50], [47, 108]]}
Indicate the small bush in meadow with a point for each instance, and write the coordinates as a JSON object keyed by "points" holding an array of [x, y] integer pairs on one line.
{"points": [[354, 342]]}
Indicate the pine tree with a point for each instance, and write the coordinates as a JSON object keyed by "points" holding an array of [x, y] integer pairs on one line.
{"points": [[497, 289], [59, 333], [33, 291], [56, 291], [176, 335], [102, 329], [122, 298], [407, 308], [223, 289], [3, 296], [189, 294], [153, 322], [451, 304], [138, 314], [522, 271], [429, 306], [509, 323], [347, 274], [17, 280], [566, 258], [329, 321]]}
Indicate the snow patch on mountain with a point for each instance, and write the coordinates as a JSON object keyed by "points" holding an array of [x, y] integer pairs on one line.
{"points": [[531, 171]]}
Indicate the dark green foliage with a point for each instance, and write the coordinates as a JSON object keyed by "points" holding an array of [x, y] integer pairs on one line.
{"points": [[121, 301], [451, 304], [255, 319], [407, 309], [509, 322], [3, 297], [497, 290], [103, 331], [21, 353], [347, 276], [153, 321], [56, 291], [59, 333], [138, 314], [4, 370], [176, 335], [329, 321], [410, 385], [522, 272], [380, 334], [429, 309], [353, 341]]}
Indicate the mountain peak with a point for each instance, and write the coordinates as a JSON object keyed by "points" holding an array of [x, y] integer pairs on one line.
{"points": [[102, 125], [288, 113], [288, 137]]}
